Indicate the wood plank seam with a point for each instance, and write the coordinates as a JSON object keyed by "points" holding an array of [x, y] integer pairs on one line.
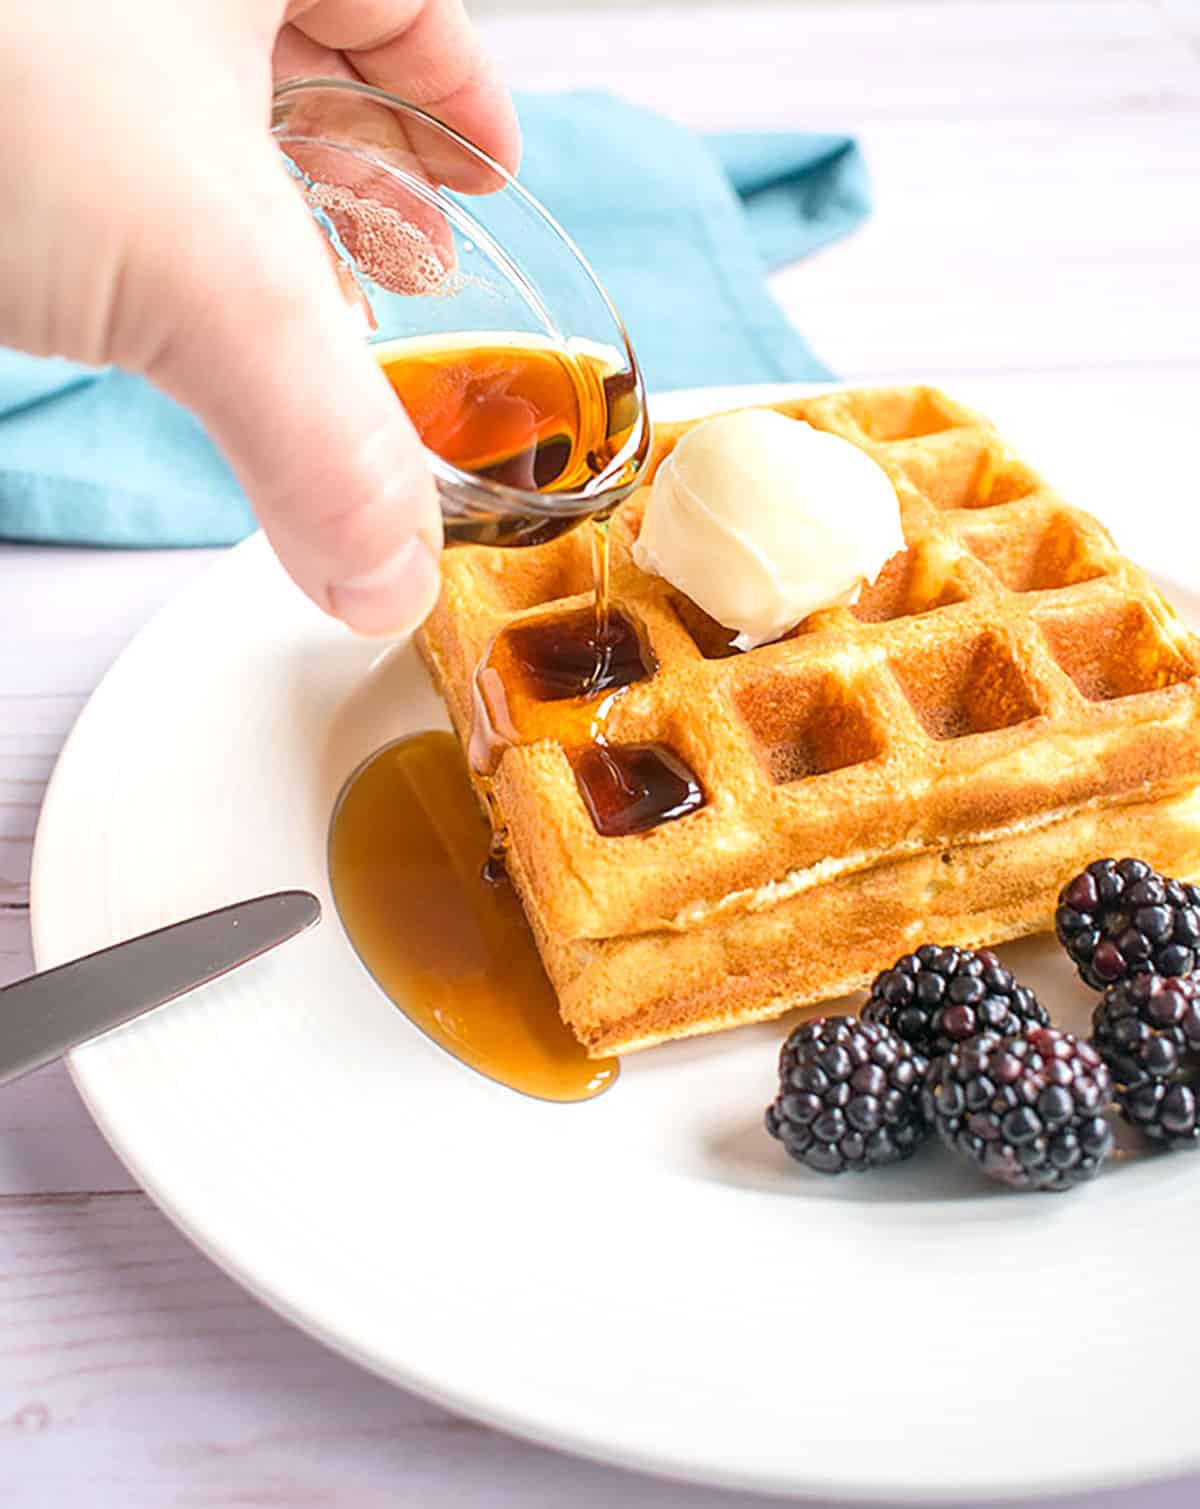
{"points": [[68, 1198]]}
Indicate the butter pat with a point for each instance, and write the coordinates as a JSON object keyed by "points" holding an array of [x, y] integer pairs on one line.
{"points": [[761, 520]]}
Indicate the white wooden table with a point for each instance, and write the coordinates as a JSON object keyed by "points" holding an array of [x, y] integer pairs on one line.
{"points": [[1037, 238]]}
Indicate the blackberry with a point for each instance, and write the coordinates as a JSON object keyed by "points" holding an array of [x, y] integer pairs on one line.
{"points": [[1029, 1110], [1121, 918], [849, 1096], [1148, 1032], [941, 996]]}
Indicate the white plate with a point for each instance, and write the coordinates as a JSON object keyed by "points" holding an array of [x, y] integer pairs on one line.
{"points": [[643, 1278]]}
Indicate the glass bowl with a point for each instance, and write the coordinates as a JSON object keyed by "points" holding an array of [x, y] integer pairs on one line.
{"points": [[485, 316]]}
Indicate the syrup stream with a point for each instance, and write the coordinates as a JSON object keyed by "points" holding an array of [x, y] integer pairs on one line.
{"points": [[600, 577]]}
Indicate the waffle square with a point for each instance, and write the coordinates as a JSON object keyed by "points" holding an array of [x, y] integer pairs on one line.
{"points": [[1008, 700]]}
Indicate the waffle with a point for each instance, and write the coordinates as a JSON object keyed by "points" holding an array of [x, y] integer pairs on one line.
{"points": [[1010, 699]]}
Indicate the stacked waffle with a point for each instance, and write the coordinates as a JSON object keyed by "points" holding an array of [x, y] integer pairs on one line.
{"points": [[1009, 700]]}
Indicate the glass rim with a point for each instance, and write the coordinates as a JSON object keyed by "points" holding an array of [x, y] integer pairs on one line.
{"points": [[483, 495]]}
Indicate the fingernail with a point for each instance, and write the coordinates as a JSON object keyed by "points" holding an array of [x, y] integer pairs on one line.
{"points": [[392, 600]]}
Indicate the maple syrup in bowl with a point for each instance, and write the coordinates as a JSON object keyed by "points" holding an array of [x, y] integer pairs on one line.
{"points": [[487, 321]]}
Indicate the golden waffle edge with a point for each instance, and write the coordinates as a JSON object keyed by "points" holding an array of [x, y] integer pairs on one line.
{"points": [[1011, 699]]}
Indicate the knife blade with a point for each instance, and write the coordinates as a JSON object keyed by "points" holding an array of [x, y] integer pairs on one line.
{"points": [[45, 1015]]}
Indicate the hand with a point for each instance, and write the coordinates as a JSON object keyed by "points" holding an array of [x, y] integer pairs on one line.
{"points": [[148, 221]]}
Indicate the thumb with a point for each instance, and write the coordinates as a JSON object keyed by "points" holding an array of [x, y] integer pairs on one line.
{"points": [[261, 346]]}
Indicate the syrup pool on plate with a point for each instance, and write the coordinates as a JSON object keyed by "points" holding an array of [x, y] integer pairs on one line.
{"points": [[408, 847]]}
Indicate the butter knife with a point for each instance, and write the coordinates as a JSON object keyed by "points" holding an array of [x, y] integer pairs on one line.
{"points": [[45, 1015]]}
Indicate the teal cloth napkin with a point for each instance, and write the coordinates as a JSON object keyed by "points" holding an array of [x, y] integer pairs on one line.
{"points": [[681, 230]]}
